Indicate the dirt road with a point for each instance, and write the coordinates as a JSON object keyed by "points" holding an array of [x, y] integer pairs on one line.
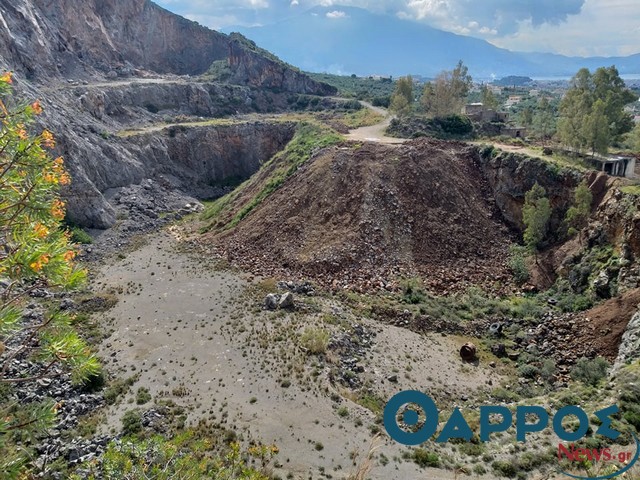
{"points": [[375, 133]]}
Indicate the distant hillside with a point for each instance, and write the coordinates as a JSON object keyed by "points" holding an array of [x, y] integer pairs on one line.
{"points": [[349, 40]]}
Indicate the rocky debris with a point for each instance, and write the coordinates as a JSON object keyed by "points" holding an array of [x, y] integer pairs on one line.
{"points": [[67, 304], [271, 301], [350, 219], [141, 208], [609, 330], [286, 301], [499, 350], [601, 285], [274, 301], [352, 347], [303, 288]]}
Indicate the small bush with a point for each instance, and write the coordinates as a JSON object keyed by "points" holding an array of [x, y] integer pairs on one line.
{"points": [[131, 422], [548, 369], [315, 340], [504, 468], [424, 458], [518, 263], [78, 235], [528, 371], [590, 372], [413, 294], [143, 396]]}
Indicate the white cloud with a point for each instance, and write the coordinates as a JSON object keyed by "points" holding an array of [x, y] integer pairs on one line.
{"points": [[605, 27], [337, 14], [576, 27]]}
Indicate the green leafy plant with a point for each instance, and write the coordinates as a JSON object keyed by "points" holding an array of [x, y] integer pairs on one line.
{"points": [[35, 252]]}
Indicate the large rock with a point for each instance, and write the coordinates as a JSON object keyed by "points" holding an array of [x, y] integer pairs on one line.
{"points": [[286, 301], [629, 350]]}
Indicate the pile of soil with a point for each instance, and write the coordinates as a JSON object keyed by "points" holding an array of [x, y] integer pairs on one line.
{"points": [[360, 216], [596, 332]]}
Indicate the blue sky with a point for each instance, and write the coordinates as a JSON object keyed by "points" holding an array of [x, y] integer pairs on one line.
{"points": [[570, 27]]}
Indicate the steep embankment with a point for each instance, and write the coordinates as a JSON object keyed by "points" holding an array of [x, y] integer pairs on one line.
{"points": [[361, 215], [45, 40]]}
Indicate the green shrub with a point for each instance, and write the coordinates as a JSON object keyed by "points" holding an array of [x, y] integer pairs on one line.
{"points": [[413, 294], [548, 369], [315, 340], [424, 458], [131, 422], [504, 468], [183, 457], [590, 372], [142, 396], [518, 263], [528, 371], [78, 235], [455, 125]]}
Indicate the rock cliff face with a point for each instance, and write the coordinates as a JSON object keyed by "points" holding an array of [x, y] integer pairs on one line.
{"points": [[511, 175], [104, 66], [45, 39], [190, 160]]}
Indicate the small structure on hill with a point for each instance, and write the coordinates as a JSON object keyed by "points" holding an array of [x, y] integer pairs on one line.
{"points": [[514, 132], [477, 112], [616, 165], [493, 123]]}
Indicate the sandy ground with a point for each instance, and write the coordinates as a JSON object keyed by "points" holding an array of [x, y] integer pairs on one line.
{"points": [[196, 334]]}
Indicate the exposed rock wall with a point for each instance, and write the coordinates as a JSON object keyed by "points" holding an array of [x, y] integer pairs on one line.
{"points": [[188, 159], [45, 39], [511, 175]]}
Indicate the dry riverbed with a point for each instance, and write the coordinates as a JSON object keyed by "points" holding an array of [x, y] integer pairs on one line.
{"points": [[196, 333]]}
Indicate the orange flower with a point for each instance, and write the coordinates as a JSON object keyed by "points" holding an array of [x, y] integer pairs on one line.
{"points": [[21, 132], [50, 177], [64, 179], [37, 108], [47, 139], [69, 255], [40, 230], [57, 209], [7, 77], [41, 262]]}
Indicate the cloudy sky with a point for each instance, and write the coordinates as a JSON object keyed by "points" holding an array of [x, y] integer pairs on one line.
{"points": [[570, 27]]}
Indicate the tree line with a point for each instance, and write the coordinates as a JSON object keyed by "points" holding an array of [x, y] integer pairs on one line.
{"points": [[591, 116]]}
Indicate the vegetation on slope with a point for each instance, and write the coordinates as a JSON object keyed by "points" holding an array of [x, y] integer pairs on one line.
{"points": [[35, 252], [227, 211], [376, 90]]}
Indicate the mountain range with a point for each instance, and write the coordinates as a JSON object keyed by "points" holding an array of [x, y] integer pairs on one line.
{"points": [[349, 40]]}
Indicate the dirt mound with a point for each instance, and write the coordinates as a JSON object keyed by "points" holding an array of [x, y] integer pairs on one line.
{"points": [[607, 323], [592, 333], [360, 215]]}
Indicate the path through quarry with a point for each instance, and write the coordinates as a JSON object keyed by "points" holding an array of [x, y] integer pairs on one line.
{"points": [[197, 335]]}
